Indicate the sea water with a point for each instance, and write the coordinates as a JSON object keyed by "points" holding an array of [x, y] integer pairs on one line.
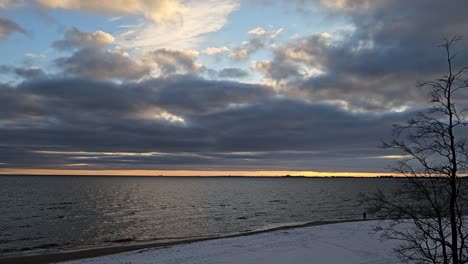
{"points": [[43, 214]]}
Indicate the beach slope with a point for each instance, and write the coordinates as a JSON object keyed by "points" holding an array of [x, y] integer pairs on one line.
{"points": [[352, 242]]}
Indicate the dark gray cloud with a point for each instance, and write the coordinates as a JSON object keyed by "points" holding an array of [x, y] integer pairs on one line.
{"points": [[64, 123], [56, 99], [99, 63], [375, 65], [185, 94], [92, 58], [8, 27], [233, 73], [102, 64], [23, 72]]}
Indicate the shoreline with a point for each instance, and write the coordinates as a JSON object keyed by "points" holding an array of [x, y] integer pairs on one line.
{"points": [[96, 252], [383, 176]]}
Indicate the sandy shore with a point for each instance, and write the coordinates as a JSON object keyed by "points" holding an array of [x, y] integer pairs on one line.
{"points": [[96, 252]]}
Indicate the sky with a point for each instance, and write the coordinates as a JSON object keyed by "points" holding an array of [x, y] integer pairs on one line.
{"points": [[215, 87]]}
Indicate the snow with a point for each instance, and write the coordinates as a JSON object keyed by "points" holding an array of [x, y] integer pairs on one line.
{"points": [[348, 243]]}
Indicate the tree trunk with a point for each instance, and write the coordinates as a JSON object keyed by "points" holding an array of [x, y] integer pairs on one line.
{"points": [[453, 175]]}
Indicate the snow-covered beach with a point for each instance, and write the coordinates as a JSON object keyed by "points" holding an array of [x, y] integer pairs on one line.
{"points": [[338, 243]]}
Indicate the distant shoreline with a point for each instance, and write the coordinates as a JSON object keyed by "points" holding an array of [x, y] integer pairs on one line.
{"points": [[96, 252], [226, 176], [201, 176]]}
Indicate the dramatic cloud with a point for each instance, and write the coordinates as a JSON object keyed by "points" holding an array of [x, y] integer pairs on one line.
{"points": [[74, 38], [179, 122], [161, 10], [8, 27], [369, 66], [91, 58], [139, 98], [182, 95], [102, 64]]}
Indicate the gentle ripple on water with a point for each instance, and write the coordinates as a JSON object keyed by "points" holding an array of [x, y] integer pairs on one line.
{"points": [[47, 214]]}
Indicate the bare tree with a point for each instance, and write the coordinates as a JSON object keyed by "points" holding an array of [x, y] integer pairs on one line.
{"points": [[427, 210]]}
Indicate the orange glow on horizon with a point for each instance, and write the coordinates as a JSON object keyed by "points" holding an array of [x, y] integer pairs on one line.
{"points": [[6, 171]]}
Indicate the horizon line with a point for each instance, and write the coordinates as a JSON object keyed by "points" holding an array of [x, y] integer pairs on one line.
{"points": [[191, 173]]}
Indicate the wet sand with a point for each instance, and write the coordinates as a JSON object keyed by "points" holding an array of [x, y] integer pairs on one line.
{"points": [[95, 252]]}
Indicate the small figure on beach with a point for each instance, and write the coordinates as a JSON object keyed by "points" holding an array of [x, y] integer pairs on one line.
{"points": [[364, 216]]}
